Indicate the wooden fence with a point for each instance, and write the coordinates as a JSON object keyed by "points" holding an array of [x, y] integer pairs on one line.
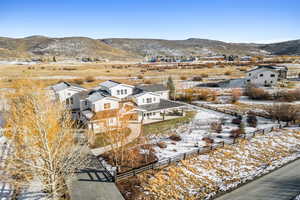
{"points": [[201, 150], [175, 159]]}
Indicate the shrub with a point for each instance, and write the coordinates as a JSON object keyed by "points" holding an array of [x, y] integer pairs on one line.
{"points": [[162, 145], [78, 81], [204, 75], [257, 93], [228, 73], [235, 133], [208, 140], [183, 78], [175, 137], [252, 120], [89, 79], [216, 126], [148, 81], [236, 94], [140, 76], [197, 78], [242, 128], [237, 121]]}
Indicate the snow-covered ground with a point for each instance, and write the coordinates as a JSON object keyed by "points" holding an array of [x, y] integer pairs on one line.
{"points": [[193, 133], [203, 176], [5, 188], [246, 100]]}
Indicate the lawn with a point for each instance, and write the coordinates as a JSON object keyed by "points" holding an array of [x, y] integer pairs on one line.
{"points": [[164, 126], [102, 140]]}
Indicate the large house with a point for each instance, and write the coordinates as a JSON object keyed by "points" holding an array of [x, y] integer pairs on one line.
{"points": [[266, 75], [105, 105]]}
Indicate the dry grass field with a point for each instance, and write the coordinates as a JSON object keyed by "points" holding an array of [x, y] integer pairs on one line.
{"points": [[90, 74]]}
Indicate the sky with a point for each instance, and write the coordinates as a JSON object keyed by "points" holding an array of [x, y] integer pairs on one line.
{"points": [[259, 21]]}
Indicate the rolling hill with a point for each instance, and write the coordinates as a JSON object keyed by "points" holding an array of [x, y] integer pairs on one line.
{"points": [[131, 49], [63, 48]]}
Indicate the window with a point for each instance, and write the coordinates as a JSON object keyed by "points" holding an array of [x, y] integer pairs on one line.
{"points": [[107, 106], [249, 74], [154, 99], [149, 100], [72, 100], [271, 81], [261, 75], [143, 100], [272, 75], [125, 91], [121, 92], [248, 80], [67, 101], [118, 92], [86, 103]]}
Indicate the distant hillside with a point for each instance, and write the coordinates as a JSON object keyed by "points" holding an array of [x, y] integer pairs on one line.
{"points": [[64, 48], [187, 47], [131, 49], [284, 48]]}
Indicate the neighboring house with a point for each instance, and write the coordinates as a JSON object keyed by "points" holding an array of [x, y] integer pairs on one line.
{"points": [[266, 75], [64, 91]]}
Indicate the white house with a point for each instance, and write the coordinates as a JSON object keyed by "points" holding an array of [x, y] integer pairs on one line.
{"points": [[158, 89], [266, 75], [102, 106], [117, 89], [64, 91]]}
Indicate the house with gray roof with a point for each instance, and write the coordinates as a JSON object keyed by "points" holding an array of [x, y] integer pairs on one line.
{"points": [[147, 101], [266, 75]]}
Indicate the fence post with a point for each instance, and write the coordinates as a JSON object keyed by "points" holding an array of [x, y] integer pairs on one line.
{"points": [[115, 176]]}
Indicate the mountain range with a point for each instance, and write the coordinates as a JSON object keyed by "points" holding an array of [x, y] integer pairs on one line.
{"points": [[132, 49]]}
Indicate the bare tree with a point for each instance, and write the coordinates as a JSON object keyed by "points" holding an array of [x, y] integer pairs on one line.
{"points": [[42, 140], [284, 112]]}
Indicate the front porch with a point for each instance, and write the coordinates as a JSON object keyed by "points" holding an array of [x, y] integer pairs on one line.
{"points": [[148, 117]]}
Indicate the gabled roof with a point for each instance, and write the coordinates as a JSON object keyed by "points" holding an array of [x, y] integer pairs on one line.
{"points": [[152, 87], [270, 67], [163, 104], [64, 85], [109, 84], [143, 93], [98, 95]]}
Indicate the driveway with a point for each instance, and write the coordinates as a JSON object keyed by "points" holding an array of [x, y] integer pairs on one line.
{"points": [[282, 184]]}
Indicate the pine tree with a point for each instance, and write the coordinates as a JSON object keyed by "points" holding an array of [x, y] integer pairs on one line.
{"points": [[171, 87]]}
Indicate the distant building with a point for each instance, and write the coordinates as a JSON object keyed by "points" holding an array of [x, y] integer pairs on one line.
{"points": [[266, 75]]}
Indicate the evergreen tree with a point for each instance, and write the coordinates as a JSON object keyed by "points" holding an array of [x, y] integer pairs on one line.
{"points": [[171, 87]]}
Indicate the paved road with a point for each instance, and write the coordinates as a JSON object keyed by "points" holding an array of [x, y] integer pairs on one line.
{"points": [[93, 183], [282, 184]]}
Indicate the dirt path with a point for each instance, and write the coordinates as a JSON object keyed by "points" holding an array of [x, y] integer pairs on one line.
{"points": [[135, 132]]}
